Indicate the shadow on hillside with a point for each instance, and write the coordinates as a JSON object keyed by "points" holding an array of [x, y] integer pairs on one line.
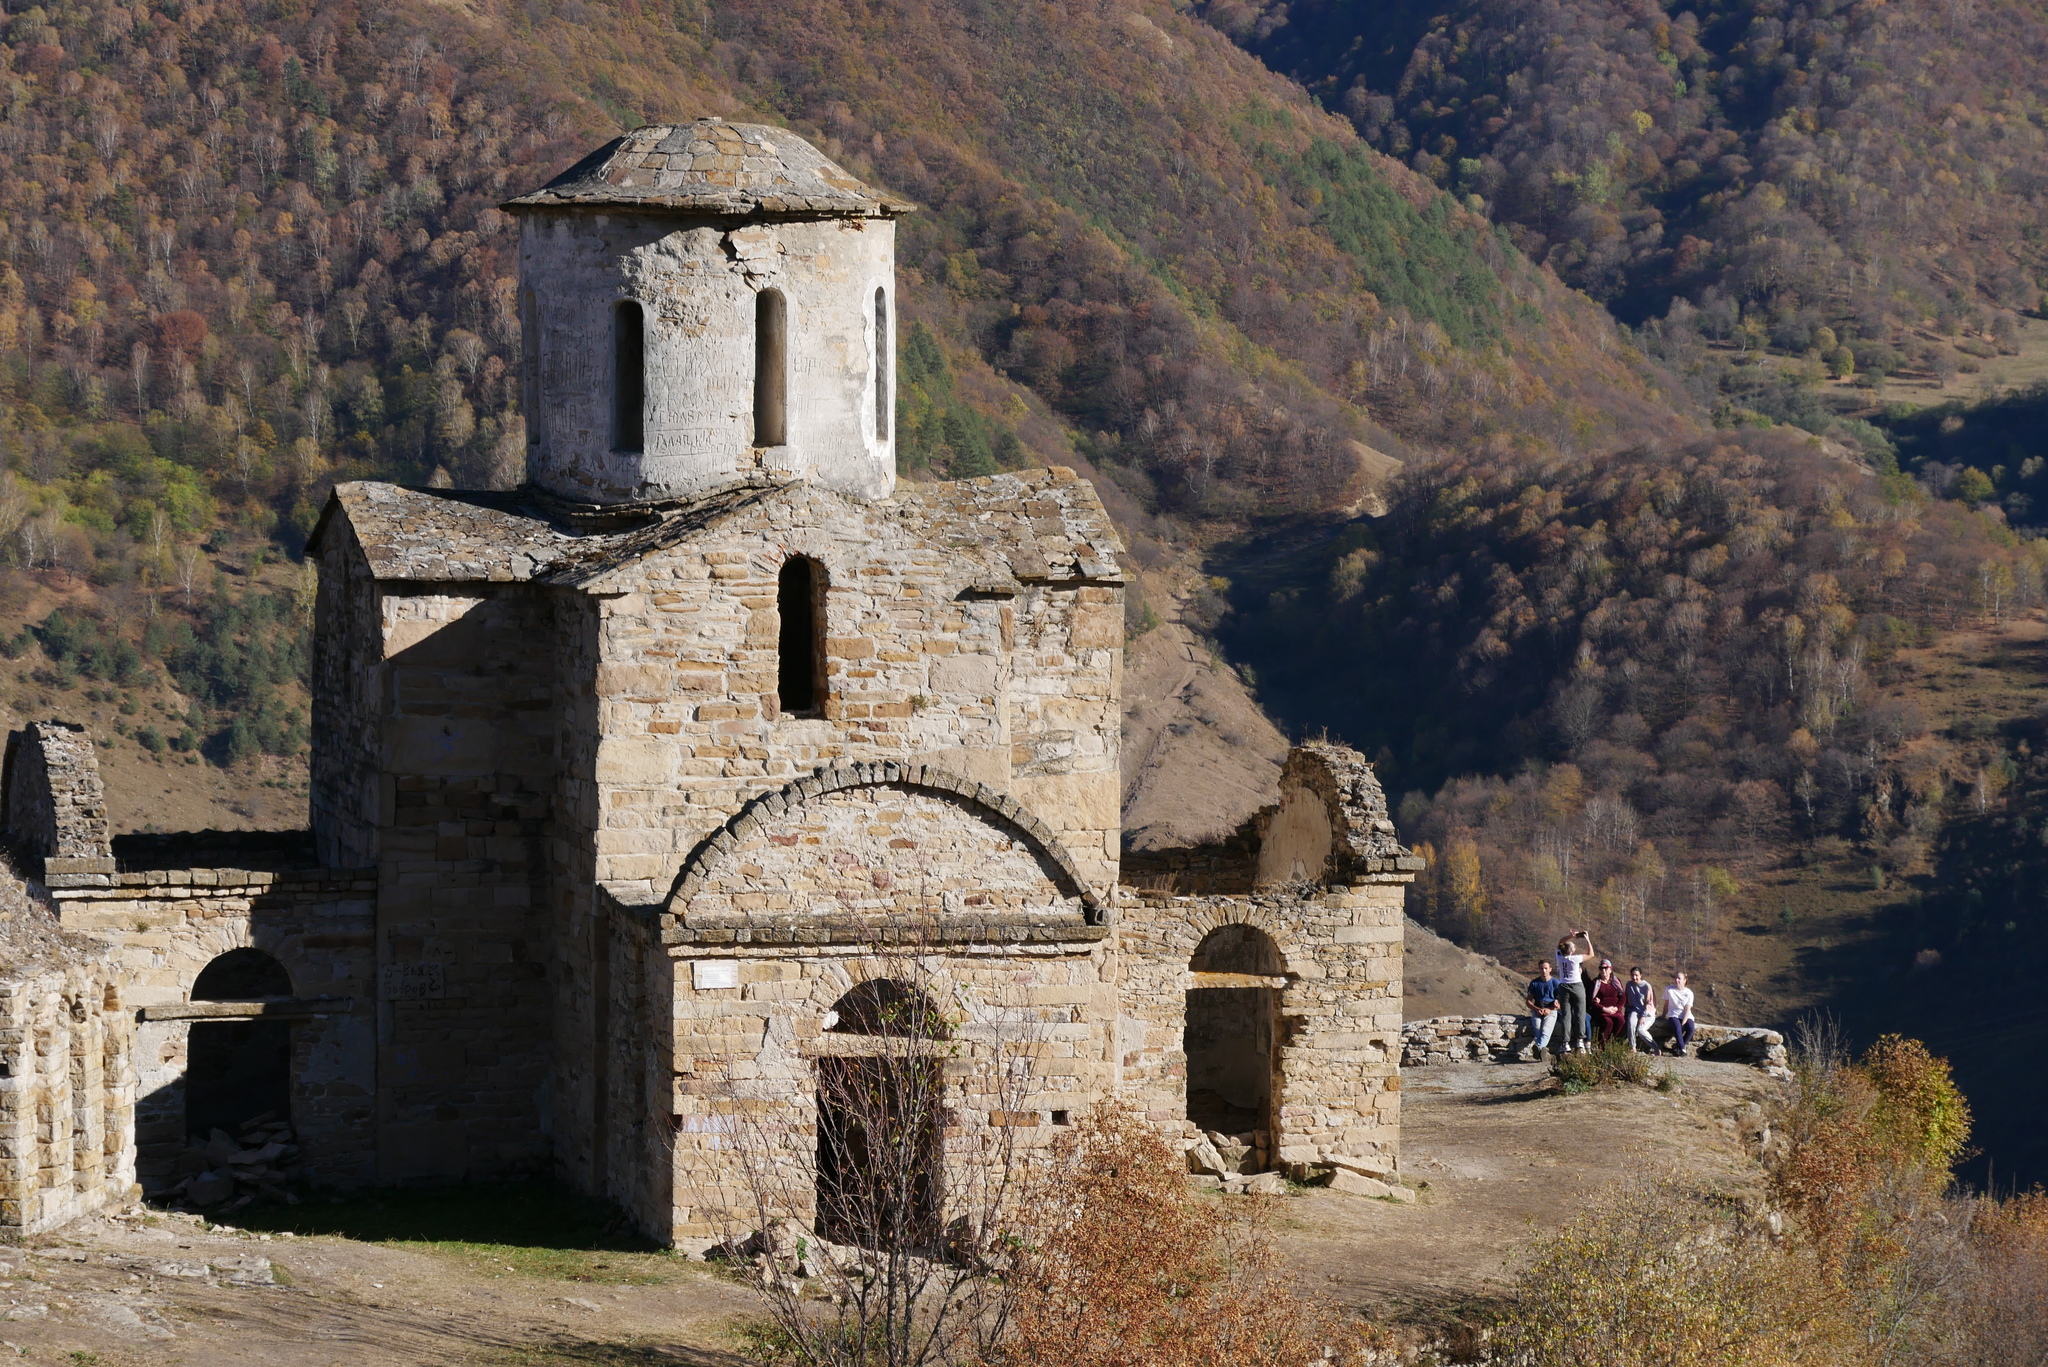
{"points": [[1957, 965]]}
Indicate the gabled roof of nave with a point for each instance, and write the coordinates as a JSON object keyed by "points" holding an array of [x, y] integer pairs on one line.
{"points": [[1034, 526], [713, 167]]}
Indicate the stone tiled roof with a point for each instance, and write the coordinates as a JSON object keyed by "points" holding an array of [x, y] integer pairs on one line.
{"points": [[711, 166], [1031, 526], [1043, 524]]}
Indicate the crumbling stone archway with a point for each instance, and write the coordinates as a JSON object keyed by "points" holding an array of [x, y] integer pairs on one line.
{"points": [[1233, 1008], [238, 1070], [880, 1162]]}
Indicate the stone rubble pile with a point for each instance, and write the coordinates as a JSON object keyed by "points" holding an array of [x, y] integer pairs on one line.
{"points": [[1227, 1155], [260, 1163]]}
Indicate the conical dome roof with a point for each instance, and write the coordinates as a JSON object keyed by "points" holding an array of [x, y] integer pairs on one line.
{"points": [[713, 167]]}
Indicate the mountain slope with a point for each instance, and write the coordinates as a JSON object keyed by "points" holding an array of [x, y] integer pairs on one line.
{"points": [[1796, 165]]}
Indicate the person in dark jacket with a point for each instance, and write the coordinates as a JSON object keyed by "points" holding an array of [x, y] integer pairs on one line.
{"points": [[1542, 999], [1609, 1003]]}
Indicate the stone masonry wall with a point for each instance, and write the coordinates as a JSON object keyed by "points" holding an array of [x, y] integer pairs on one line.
{"points": [[164, 926], [1336, 1097], [67, 1095], [745, 1055], [348, 692], [1507, 1038], [1016, 689], [467, 757], [697, 281]]}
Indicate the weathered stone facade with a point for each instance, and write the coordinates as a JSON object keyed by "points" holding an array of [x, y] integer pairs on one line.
{"points": [[625, 783]]}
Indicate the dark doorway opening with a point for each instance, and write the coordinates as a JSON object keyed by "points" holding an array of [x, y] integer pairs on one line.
{"points": [[878, 1151], [879, 1121], [236, 1071], [1230, 1032]]}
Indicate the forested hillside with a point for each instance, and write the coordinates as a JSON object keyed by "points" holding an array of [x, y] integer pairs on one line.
{"points": [[1604, 683], [1777, 167], [248, 249]]}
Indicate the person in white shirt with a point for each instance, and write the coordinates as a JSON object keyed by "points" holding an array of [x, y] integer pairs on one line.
{"points": [[1571, 990], [1678, 1010]]}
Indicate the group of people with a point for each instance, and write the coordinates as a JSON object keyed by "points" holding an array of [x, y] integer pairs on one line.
{"points": [[1565, 1007]]}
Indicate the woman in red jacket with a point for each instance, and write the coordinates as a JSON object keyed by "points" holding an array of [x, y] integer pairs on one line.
{"points": [[1610, 1000]]}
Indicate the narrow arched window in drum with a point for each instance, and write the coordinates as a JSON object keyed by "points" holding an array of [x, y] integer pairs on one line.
{"points": [[629, 376], [882, 352], [771, 366]]}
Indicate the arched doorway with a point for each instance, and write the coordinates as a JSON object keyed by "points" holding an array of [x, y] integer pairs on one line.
{"points": [[879, 1109], [1232, 1011], [238, 1071]]}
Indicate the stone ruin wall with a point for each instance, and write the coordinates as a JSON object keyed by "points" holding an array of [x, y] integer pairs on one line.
{"points": [[164, 926], [67, 1095], [1321, 875], [1336, 1076]]}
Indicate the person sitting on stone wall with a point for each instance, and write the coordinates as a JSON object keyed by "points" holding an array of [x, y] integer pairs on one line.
{"points": [[1571, 988], [1641, 1011], [1542, 999], [1609, 1001], [1678, 1010]]}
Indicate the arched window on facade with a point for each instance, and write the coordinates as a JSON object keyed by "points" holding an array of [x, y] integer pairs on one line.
{"points": [[882, 350], [629, 376], [771, 366], [800, 664]]}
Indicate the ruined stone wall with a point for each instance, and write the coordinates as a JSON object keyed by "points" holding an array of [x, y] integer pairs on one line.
{"points": [[468, 760], [347, 687], [56, 817], [1336, 1069], [697, 281], [1016, 689], [164, 926], [67, 1095]]}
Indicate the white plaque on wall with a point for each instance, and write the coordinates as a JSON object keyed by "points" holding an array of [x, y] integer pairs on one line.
{"points": [[706, 974]]}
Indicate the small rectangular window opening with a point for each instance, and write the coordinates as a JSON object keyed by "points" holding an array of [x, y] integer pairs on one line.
{"points": [[1062, 1118], [800, 665], [881, 365], [629, 376], [771, 363]]}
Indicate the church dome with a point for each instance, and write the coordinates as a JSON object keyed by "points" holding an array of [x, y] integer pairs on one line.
{"points": [[710, 166]]}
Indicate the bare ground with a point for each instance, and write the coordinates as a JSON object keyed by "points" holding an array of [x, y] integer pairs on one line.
{"points": [[1498, 1155], [1496, 1152]]}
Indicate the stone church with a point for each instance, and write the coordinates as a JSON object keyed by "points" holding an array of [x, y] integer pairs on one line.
{"points": [[622, 783]]}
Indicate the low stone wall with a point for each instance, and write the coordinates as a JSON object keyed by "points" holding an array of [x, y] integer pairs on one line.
{"points": [[1506, 1039]]}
